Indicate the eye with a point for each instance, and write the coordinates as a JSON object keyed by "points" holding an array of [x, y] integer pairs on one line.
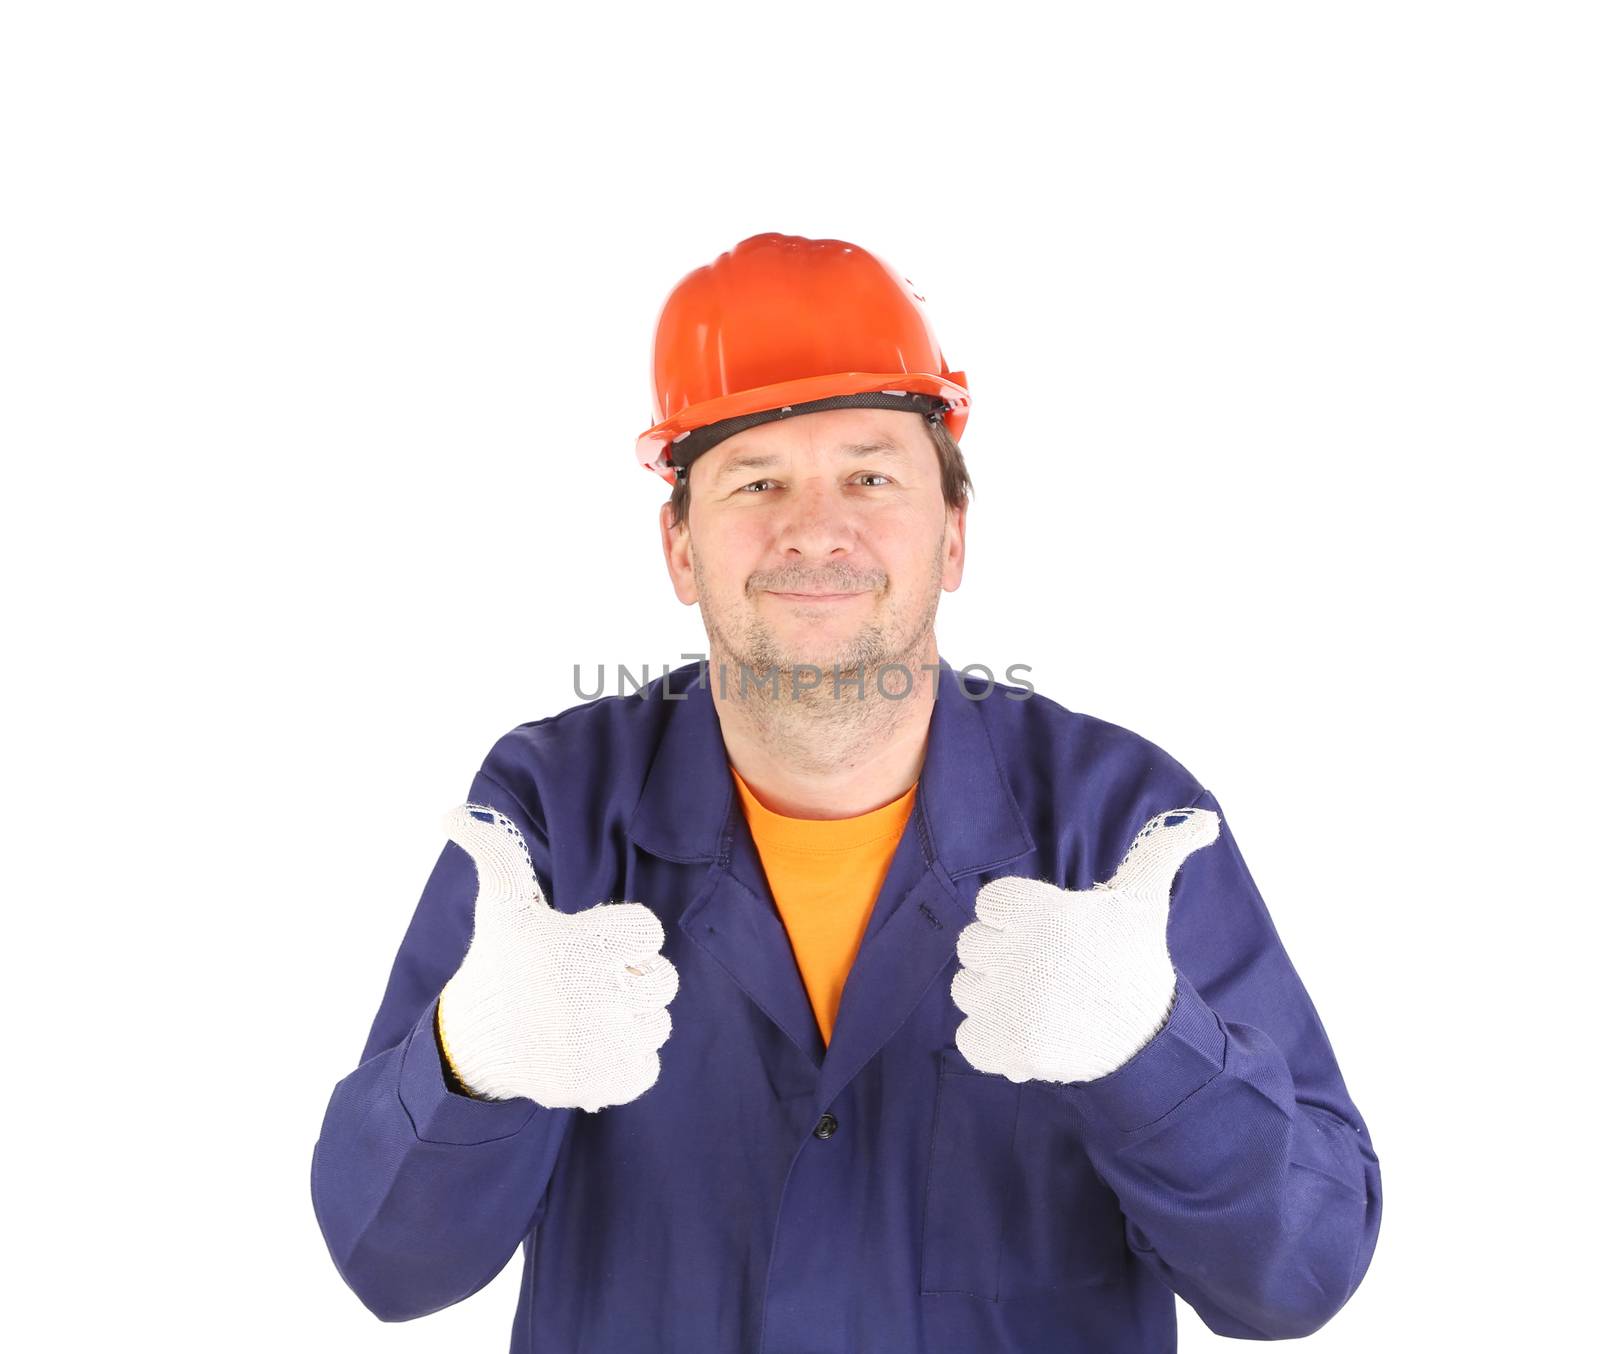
{"points": [[753, 484], [873, 474]]}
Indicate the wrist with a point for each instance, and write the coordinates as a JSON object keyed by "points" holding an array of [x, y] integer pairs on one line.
{"points": [[485, 1036], [1142, 1003], [452, 1074]]}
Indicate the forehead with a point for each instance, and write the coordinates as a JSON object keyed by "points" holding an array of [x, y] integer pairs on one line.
{"points": [[839, 433]]}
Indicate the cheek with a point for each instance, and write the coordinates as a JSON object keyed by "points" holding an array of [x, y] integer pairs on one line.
{"points": [[908, 544], [727, 555]]}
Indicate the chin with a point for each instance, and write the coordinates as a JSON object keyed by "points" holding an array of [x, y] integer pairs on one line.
{"points": [[823, 652]]}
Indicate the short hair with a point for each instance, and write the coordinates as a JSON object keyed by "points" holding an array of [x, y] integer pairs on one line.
{"points": [[953, 476]]}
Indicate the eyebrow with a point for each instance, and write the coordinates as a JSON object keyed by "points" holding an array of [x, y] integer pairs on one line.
{"points": [[760, 461]]}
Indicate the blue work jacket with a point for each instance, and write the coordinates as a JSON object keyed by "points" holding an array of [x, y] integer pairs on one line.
{"points": [[770, 1194]]}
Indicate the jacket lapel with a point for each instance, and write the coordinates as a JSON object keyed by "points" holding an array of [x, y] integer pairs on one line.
{"points": [[737, 923]]}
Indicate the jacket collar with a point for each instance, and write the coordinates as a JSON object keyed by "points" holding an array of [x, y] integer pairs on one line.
{"points": [[683, 809]]}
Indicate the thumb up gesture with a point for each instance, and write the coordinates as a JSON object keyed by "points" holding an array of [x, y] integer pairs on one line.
{"points": [[567, 1010], [1067, 985]]}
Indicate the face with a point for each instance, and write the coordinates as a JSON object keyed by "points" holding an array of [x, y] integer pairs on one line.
{"points": [[822, 539]]}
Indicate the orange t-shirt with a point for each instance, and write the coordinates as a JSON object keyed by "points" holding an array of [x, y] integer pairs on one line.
{"points": [[825, 874]]}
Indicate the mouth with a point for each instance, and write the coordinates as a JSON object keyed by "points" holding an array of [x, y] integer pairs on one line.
{"points": [[812, 598]]}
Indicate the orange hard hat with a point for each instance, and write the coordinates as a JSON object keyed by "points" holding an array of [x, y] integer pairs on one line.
{"points": [[782, 325]]}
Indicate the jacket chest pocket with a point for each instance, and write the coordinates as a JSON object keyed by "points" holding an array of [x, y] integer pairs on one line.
{"points": [[1014, 1207], [973, 1179]]}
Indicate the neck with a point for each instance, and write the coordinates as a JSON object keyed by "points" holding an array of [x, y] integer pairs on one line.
{"points": [[822, 756]]}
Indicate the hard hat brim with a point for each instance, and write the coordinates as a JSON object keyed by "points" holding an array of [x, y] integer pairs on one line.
{"points": [[653, 447]]}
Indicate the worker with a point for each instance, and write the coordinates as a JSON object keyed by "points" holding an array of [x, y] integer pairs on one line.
{"points": [[821, 997]]}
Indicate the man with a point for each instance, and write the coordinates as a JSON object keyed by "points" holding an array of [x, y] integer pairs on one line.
{"points": [[820, 997]]}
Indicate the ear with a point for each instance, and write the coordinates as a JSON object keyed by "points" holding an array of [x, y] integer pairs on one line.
{"points": [[679, 555], [955, 547]]}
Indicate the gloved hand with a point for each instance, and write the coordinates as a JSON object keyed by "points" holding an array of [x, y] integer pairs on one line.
{"points": [[1067, 985], [567, 1010]]}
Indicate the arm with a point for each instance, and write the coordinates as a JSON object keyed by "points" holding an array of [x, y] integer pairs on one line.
{"points": [[422, 1192], [1246, 1175]]}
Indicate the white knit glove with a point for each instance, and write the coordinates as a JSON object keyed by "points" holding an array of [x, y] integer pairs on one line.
{"points": [[567, 1010], [1067, 985]]}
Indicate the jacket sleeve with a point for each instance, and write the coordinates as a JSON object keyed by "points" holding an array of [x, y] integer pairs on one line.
{"points": [[1246, 1176], [422, 1193]]}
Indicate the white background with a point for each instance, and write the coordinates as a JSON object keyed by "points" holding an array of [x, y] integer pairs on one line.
{"points": [[326, 330]]}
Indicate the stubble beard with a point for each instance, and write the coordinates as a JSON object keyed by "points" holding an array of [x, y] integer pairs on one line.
{"points": [[783, 693]]}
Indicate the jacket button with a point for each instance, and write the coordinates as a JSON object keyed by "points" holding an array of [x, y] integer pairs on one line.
{"points": [[825, 1127]]}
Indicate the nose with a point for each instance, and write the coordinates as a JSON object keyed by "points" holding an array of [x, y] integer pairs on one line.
{"points": [[816, 523]]}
